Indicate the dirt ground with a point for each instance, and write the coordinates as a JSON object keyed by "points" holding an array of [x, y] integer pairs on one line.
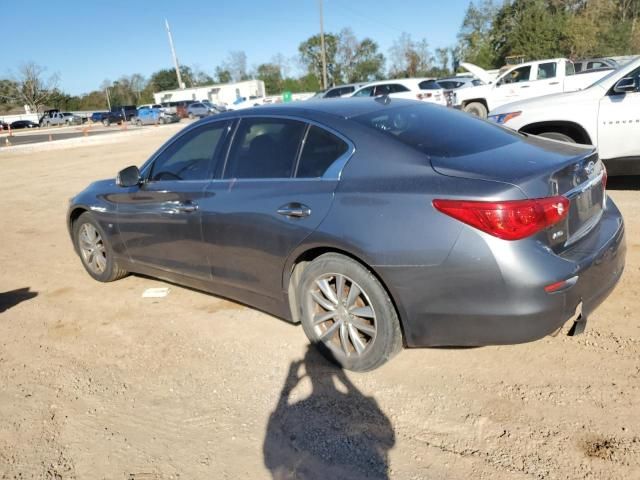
{"points": [[97, 382]]}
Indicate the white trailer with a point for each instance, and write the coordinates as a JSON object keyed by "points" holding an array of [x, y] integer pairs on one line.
{"points": [[224, 93]]}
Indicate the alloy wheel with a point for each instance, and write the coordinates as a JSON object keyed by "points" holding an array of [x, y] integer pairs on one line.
{"points": [[343, 316], [92, 248]]}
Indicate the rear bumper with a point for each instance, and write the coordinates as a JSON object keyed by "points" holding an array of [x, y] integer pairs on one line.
{"points": [[494, 294], [623, 166]]}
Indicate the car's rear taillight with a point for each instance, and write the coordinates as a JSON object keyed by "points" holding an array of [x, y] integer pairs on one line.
{"points": [[509, 220], [422, 96]]}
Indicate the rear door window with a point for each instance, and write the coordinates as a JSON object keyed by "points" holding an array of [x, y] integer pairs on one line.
{"points": [[430, 85], [264, 148], [320, 150], [547, 70]]}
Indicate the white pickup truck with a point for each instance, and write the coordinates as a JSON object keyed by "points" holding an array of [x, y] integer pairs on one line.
{"points": [[519, 82], [606, 114]]}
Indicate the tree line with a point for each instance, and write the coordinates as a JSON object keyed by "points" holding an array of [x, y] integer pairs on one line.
{"points": [[491, 31]]}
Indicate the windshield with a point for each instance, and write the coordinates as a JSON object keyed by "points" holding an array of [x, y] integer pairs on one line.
{"points": [[611, 74]]}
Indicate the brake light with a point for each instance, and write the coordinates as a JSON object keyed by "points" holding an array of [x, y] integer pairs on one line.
{"points": [[605, 177], [509, 220], [421, 96]]}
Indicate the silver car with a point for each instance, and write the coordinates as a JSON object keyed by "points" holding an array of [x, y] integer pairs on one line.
{"points": [[198, 109]]}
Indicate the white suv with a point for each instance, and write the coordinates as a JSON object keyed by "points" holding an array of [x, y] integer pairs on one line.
{"points": [[425, 89], [606, 114]]}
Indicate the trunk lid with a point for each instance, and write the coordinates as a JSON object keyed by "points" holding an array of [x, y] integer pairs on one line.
{"points": [[542, 168]]}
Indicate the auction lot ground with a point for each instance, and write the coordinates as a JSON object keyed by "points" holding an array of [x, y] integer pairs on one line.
{"points": [[98, 382]]}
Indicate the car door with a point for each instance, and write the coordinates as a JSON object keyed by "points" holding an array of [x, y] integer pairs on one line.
{"points": [[619, 122], [276, 188], [514, 85], [160, 220], [546, 80]]}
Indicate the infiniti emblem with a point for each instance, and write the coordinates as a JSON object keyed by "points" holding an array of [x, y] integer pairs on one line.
{"points": [[591, 166]]}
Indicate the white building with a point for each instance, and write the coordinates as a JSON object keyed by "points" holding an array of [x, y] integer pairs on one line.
{"points": [[225, 93]]}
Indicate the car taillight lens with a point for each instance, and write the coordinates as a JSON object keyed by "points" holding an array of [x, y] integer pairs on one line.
{"points": [[509, 220], [605, 177], [422, 96]]}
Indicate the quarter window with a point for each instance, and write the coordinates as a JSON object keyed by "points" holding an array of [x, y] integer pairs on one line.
{"points": [[320, 150], [191, 156], [264, 148]]}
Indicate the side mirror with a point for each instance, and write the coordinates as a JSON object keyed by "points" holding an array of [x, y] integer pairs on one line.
{"points": [[626, 85], [129, 177]]}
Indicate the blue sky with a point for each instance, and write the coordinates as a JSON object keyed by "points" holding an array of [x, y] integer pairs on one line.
{"points": [[86, 42]]}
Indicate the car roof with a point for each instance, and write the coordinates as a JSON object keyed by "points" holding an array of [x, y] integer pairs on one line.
{"points": [[343, 108]]}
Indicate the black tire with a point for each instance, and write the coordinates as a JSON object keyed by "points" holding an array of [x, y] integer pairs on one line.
{"points": [[380, 345], [139, 122], [111, 271], [476, 108], [162, 121], [557, 136], [106, 122]]}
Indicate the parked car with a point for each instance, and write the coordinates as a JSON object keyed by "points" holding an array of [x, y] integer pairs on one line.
{"points": [[519, 82], [415, 225], [51, 118], [214, 108], [339, 91], [106, 118], [454, 83], [19, 124], [607, 114], [198, 109], [4, 126], [244, 102], [424, 89], [126, 112], [72, 118], [151, 116], [595, 64]]}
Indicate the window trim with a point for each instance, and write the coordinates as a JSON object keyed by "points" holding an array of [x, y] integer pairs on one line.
{"points": [[332, 173]]}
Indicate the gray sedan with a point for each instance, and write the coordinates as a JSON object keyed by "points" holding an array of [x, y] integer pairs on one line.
{"points": [[375, 223], [198, 110]]}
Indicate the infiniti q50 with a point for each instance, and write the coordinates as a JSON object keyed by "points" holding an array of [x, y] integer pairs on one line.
{"points": [[375, 223]]}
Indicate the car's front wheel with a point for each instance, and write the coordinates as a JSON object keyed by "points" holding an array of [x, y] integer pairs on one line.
{"points": [[347, 313], [95, 251]]}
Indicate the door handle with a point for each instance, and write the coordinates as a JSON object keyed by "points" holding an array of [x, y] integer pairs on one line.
{"points": [[554, 83], [525, 86], [182, 207], [297, 210], [187, 207]]}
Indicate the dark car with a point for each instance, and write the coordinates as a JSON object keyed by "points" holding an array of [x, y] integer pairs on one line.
{"points": [[4, 126], [374, 223], [18, 124], [107, 118], [595, 64]]}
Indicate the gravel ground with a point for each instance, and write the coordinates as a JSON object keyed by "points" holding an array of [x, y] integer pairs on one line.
{"points": [[97, 382]]}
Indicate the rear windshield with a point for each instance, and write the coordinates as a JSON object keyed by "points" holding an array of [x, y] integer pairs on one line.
{"points": [[438, 132]]}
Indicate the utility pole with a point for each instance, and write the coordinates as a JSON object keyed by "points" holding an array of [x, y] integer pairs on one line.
{"points": [[173, 54], [106, 91], [322, 49]]}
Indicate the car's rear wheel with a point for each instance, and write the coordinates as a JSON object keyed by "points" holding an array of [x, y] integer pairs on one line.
{"points": [[347, 313], [106, 122], [476, 108], [162, 121], [95, 251], [139, 122], [557, 136]]}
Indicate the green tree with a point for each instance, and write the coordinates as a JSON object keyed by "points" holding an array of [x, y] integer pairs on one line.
{"points": [[410, 58], [271, 75], [222, 75], [311, 57], [357, 60], [474, 38], [531, 28]]}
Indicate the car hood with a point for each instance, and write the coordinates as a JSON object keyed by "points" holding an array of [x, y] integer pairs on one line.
{"points": [[479, 72]]}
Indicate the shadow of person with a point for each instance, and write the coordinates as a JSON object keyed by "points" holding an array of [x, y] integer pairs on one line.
{"points": [[335, 433], [14, 297]]}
